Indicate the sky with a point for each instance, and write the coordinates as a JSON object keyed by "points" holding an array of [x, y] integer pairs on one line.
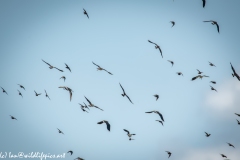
{"points": [[116, 37]]}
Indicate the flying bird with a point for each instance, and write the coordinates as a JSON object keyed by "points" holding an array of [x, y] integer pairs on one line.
{"points": [[211, 64], [47, 94], [213, 89], [204, 2], [59, 131], [85, 12], [4, 91], [160, 121], [20, 93], [169, 153], [238, 122], [71, 152], [131, 139], [199, 72], [179, 73], [213, 82], [68, 89], [124, 94], [37, 94], [171, 62], [78, 158], [128, 133], [51, 67], [237, 114], [234, 74], [92, 105], [230, 145], [223, 156], [156, 46], [214, 23], [161, 116], [63, 77], [207, 134], [157, 96], [82, 107], [13, 117], [199, 76], [108, 125], [21, 86], [67, 67], [101, 69], [173, 23]]}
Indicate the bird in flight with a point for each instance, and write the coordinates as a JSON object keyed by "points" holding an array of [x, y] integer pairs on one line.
{"points": [[207, 134], [160, 121], [199, 76], [67, 67], [59, 131], [169, 153], [63, 77], [173, 23], [171, 62], [204, 3], [161, 116], [71, 152], [20, 93], [238, 122], [37, 94], [85, 12], [156, 46], [213, 89], [108, 125], [234, 74], [179, 73], [223, 156], [213, 82], [4, 91], [51, 67], [199, 72], [157, 96], [230, 145], [47, 94], [21, 86], [237, 114], [101, 69], [92, 105], [78, 158], [124, 94], [214, 23], [128, 133], [68, 89], [82, 107], [13, 117], [211, 64]]}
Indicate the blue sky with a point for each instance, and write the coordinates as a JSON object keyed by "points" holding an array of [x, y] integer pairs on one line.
{"points": [[116, 37]]}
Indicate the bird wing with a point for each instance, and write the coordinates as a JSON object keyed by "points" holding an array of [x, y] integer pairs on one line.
{"points": [[59, 69], [204, 2], [98, 108], [152, 42], [100, 122], [108, 125], [194, 78], [46, 63], [107, 71], [86, 106], [129, 99], [149, 112], [96, 65], [234, 72], [217, 27], [160, 51], [122, 88], [161, 116], [208, 21], [70, 92], [126, 131], [88, 100]]}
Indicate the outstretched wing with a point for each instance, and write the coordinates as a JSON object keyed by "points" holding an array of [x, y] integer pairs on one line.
{"points": [[108, 125], [152, 42], [46, 63], [149, 112], [204, 2], [217, 27], [207, 21], [100, 122], [88, 100], [194, 78], [161, 116], [129, 99], [122, 88], [70, 92], [160, 51], [126, 131], [59, 69], [234, 72], [96, 65], [98, 108], [86, 106], [107, 71]]}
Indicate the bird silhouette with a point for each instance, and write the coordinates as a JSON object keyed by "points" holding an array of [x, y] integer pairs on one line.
{"points": [[161, 116], [207, 134], [13, 117], [78, 158], [238, 122], [101, 69], [129, 134], [234, 74], [63, 77], [59, 131], [213, 82], [71, 152], [211, 64], [37, 94], [4, 91], [156, 46], [169, 153], [179, 73], [47, 94], [85, 12], [223, 156], [157, 96], [204, 3], [237, 114], [160, 121], [91, 104], [230, 144], [68, 89], [171, 62], [104, 121], [19, 93], [51, 67], [21, 86], [213, 89], [199, 76], [173, 23], [124, 93], [199, 72], [67, 67], [214, 23]]}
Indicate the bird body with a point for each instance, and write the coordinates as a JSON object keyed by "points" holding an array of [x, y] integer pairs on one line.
{"points": [[37, 94], [157, 96], [230, 145], [21, 86], [20, 93], [13, 117], [4, 91], [211, 64], [171, 62], [128, 133], [124, 93], [63, 77], [67, 67], [207, 134], [47, 95], [59, 131], [173, 23], [71, 152], [179, 73], [169, 153], [213, 89], [85, 12]]}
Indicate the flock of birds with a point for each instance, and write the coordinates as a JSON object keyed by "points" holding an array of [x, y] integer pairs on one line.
{"points": [[85, 107]]}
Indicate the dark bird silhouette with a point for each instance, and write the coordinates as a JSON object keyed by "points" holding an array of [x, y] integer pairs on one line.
{"points": [[82, 107], [199, 76], [78, 158], [63, 77], [85, 12], [223, 156], [131, 139], [108, 125], [101, 69], [179, 73], [213, 89], [20, 93], [204, 3], [156, 46], [160, 121], [214, 23], [199, 72], [238, 122], [157, 96], [37, 94], [21, 86], [169, 153], [47, 94], [237, 114], [4, 91], [230, 145], [173, 23], [161, 116], [67, 67], [211, 64], [13, 117], [207, 134], [128, 133], [71, 152], [59, 131], [213, 82], [51, 67], [68, 89], [124, 94], [171, 62], [92, 105], [234, 74]]}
